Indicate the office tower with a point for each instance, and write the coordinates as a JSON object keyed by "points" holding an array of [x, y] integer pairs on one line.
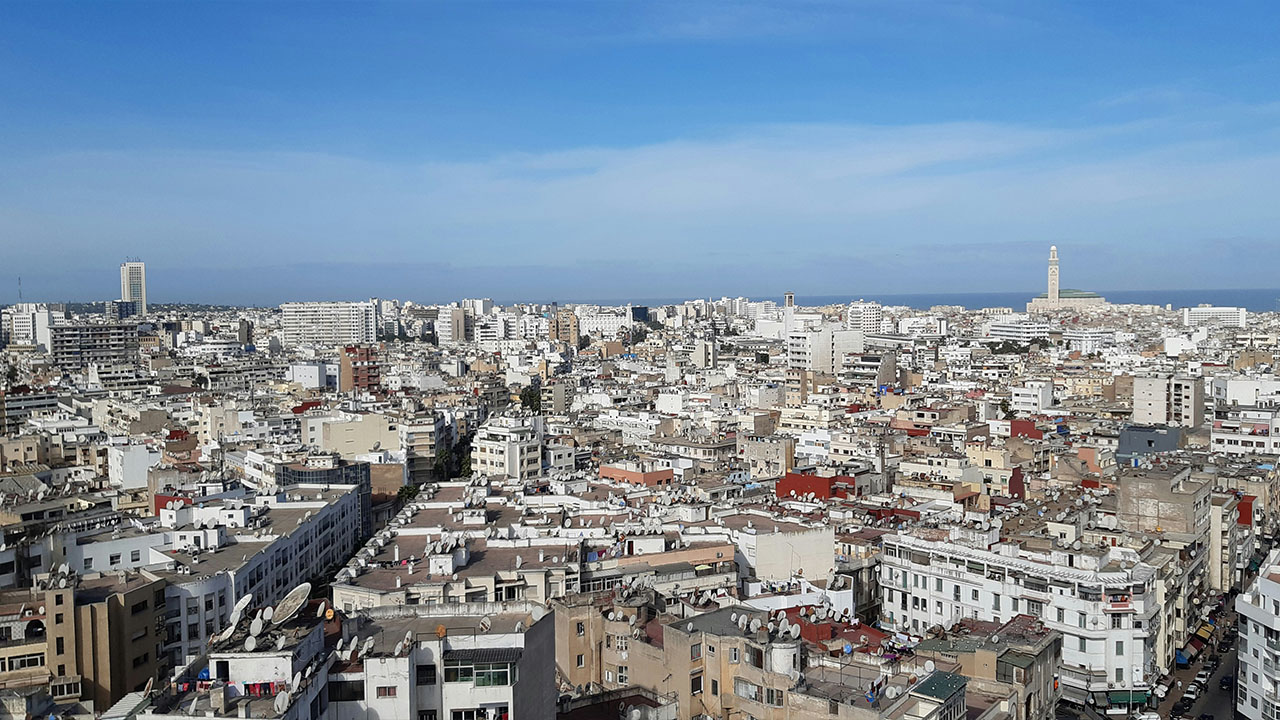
{"points": [[133, 284]]}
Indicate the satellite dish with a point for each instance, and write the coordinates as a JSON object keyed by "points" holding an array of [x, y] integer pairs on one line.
{"points": [[485, 624], [255, 627], [399, 648], [328, 614], [338, 649], [891, 692], [282, 702], [243, 603], [292, 602], [150, 684], [755, 625], [268, 612], [280, 641], [368, 645], [250, 644], [929, 666], [795, 631]]}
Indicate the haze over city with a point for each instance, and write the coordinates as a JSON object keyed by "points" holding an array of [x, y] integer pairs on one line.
{"points": [[256, 153]]}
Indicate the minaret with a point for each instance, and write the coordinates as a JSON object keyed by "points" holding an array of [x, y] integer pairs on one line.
{"points": [[1053, 274]]}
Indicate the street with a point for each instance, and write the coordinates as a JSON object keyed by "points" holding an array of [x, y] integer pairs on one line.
{"points": [[1215, 701]]}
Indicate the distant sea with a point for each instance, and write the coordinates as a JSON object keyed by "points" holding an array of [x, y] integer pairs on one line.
{"points": [[1253, 300]]}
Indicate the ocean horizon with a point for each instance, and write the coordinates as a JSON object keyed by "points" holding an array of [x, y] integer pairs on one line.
{"points": [[1254, 300]]}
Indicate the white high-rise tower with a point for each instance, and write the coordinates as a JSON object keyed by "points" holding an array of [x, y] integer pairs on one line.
{"points": [[133, 284], [1053, 274]]}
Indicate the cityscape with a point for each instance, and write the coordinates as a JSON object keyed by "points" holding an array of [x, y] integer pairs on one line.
{"points": [[571, 360]]}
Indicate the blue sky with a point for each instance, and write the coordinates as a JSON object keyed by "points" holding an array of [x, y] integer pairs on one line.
{"points": [[257, 152]]}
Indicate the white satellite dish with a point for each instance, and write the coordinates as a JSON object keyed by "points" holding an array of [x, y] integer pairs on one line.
{"points": [[485, 624], [268, 612], [250, 644], [282, 702], [280, 641], [292, 602], [255, 627], [795, 631], [243, 603], [929, 666]]}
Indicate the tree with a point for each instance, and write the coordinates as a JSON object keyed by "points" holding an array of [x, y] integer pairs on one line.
{"points": [[406, 493], [531, 398], [1005, 410], [583, 342]]}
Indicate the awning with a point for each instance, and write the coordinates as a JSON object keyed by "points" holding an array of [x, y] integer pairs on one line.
{"points": [[1128, 697], [483, 655], [1074, 695], [1204, 632], [702, 567], [1181, 658]]}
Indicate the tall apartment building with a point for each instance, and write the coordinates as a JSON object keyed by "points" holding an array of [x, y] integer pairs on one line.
{"points": [[1258, 674], [1209, 315], [329, 323], [28, 324], [822, 349], [360, 368], [564, 327], [133, 284], [1168, 400], [864, 316], [81, 344]]}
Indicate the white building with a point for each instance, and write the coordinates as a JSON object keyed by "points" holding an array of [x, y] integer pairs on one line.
{"points": [[1258, 674], [510, 446], [1168, 400], [822, 349], [1102, 601], [133, 284], [864, 316], [1209, 315], [329, 324], [1035, 396], [1088, 340]]}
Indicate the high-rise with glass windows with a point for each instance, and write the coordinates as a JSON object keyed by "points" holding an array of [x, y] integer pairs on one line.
{"points": [[133, 284]]}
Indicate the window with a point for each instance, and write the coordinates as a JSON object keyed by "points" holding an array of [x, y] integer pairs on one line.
{"points": [[114, 559], [715, 686], [25, 661], [974, 594], [1013, 604], [582, 629], [774, 697], [427, 715], [141, 660], [386, 691], [1084, 645], [88, 563], [695, 684], [426, 675], [622, 674], [135, 556], [1119, 675], [494, 674], [1117, 621], [755, 656], [995, 601], [1061, 614], [733, 655], [60, 649], [1119, 648], [1081, 619], [57, 599], [746, 690], [57, 618], [937, 584], [138, 607], [711, 650], [695, 651], [582, 660]]}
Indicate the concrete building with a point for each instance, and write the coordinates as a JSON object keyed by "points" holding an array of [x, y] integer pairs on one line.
{"points": [[1168, 400], [360, 368], [1102, 600], [564, 328], [133, 284], [1210, 315], [1258, 673], [76, 345], [328, 324], [509, 445], [864, 316], [822, 349]]}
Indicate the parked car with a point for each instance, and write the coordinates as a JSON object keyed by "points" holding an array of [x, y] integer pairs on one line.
{"points": [[1226, 683], [1202, 678], [1224, 646], [1183, 706], [1192, 693]]}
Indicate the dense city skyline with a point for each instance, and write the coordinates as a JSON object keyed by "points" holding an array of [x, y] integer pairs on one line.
{"points": [[635, 150]]}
